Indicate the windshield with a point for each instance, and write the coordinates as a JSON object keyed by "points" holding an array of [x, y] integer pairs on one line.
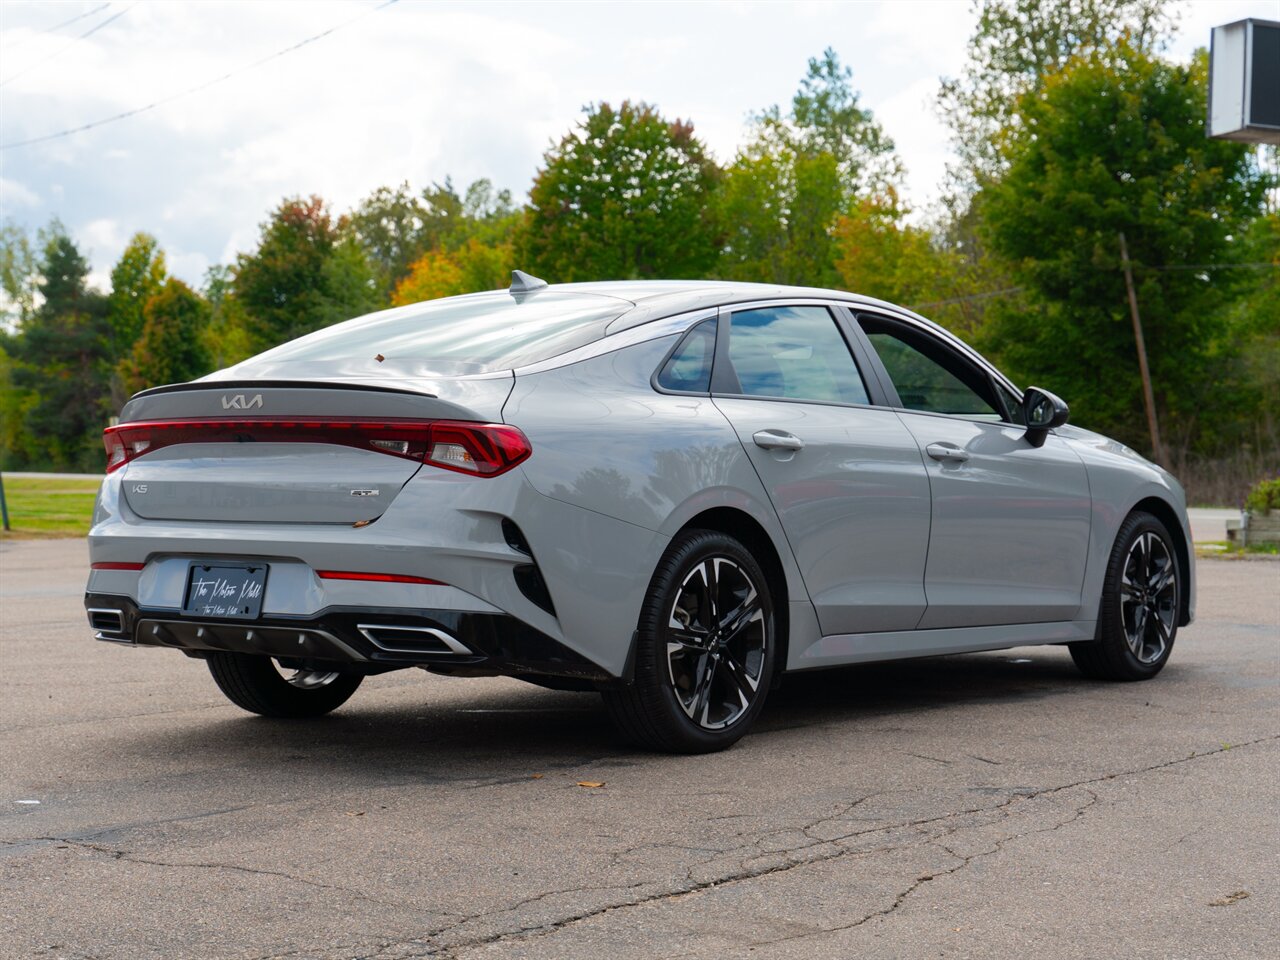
{"points": [[472, 334]]}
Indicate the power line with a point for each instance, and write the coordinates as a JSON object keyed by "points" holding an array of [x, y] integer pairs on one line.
{"points": [[975, 296], [69, 44], [198, 87], [1008, 291], [59, 26], [1212, 266]]}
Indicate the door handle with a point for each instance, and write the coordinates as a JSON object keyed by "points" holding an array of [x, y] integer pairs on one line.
{"points": [[946, 451], [777, 440]]}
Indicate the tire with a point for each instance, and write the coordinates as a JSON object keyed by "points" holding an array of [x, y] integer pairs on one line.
{"points": [[702, 669], [255, 684], [1141, 600]]}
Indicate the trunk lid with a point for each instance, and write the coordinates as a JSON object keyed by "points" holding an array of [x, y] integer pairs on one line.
{"points": [[285, 452]]}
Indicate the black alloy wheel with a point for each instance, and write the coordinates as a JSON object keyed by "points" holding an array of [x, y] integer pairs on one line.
{"points": [[706, 648], [1141, 601]]}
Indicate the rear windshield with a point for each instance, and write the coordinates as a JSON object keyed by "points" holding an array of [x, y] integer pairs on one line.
{"points": [[460, 335]]}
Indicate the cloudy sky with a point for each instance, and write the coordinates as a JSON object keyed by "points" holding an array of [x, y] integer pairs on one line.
{"points": [[414, 91]]}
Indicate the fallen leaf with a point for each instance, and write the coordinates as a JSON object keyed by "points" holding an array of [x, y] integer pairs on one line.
{"points": [[355, 813], [538, 776], [1230, 898], [379, 358], [590, 783]]}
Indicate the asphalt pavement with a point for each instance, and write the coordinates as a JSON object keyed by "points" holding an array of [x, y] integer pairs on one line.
{"points": [[990, 805]]}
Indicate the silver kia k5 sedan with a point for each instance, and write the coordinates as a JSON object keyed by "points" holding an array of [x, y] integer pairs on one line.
{"points": [[669, 492]]}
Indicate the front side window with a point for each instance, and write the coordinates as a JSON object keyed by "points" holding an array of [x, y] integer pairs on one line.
{"points": [[688, 369], [928, 375], [794, 353]]}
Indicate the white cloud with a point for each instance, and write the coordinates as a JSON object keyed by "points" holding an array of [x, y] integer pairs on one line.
{"points": [[14, 195]]}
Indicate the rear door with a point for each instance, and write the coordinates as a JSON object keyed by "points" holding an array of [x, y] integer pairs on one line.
{"points": [[845, 477], [1010, 529]]}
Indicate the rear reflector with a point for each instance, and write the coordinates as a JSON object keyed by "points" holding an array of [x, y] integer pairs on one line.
{"points": [[479, 449], [377, 577], [112, 565]]}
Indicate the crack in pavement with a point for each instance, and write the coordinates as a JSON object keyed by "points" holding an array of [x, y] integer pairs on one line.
{"points": [[963, 862], [127, 857], [535, 931]]}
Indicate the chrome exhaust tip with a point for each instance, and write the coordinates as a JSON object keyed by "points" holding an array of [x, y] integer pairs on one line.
{"points": [[394, 638]]}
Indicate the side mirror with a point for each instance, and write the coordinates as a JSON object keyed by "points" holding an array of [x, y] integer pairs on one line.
{"points": [[1041, 412]]}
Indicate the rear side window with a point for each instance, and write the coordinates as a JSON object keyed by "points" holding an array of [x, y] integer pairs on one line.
{"points": [[688, 369], [793, 353]]}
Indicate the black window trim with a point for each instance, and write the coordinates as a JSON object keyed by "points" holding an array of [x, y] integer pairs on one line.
{"points": [[724, 380]]}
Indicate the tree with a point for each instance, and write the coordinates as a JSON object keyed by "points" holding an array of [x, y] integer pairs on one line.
{"points": [[879, 254], [438, 273], [625, 194], [1115, 142], [395, 227], [135, 279], [304, 275], [171, 348], [796, 175], [19, 274], [61, 364], [225, 337], [1015, 45]]}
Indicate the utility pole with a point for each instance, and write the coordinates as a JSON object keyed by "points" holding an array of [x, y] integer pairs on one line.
{"points": [[4, 507], [1147, 396]]}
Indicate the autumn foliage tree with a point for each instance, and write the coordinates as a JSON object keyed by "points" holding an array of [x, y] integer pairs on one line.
{"points": [[304, 275]]}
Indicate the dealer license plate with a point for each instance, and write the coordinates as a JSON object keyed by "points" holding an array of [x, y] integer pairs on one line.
{"points": [[225, 590]]}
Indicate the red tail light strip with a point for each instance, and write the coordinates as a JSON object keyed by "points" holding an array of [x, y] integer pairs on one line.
{"points": [[114, 565], [378, 577], [478, 449]]}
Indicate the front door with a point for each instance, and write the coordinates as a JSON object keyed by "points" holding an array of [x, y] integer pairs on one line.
{"points": [[1010, 529], [845, 477]]}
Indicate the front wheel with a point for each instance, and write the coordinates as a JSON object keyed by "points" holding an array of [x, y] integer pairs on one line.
{"points": [[1141, 598], [705, 649], [256, 684]]}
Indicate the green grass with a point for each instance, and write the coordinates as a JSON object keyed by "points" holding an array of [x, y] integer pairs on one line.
{"points": [[42, 507]]}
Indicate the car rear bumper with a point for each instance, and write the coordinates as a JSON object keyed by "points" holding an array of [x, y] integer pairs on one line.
{"points": [[367, 639]]}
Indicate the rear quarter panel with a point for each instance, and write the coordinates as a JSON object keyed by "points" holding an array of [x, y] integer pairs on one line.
{"points": [[606, 442]]}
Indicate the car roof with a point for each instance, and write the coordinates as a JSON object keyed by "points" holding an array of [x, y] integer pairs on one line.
{"points": [[654, 299]]}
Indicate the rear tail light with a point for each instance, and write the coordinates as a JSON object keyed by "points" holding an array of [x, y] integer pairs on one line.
{"points": [[480, 449], [374, 577]]}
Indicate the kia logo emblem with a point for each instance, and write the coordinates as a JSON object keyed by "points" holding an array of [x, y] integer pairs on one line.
{"points": [[238, 402]]}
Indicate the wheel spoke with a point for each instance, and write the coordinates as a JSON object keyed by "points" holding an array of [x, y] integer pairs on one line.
{"points": [[1162, 579], [738, 674], [1162, 629], [740, 616], [711, 576], [687, 639], [702, 696], [1137, 637]]}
